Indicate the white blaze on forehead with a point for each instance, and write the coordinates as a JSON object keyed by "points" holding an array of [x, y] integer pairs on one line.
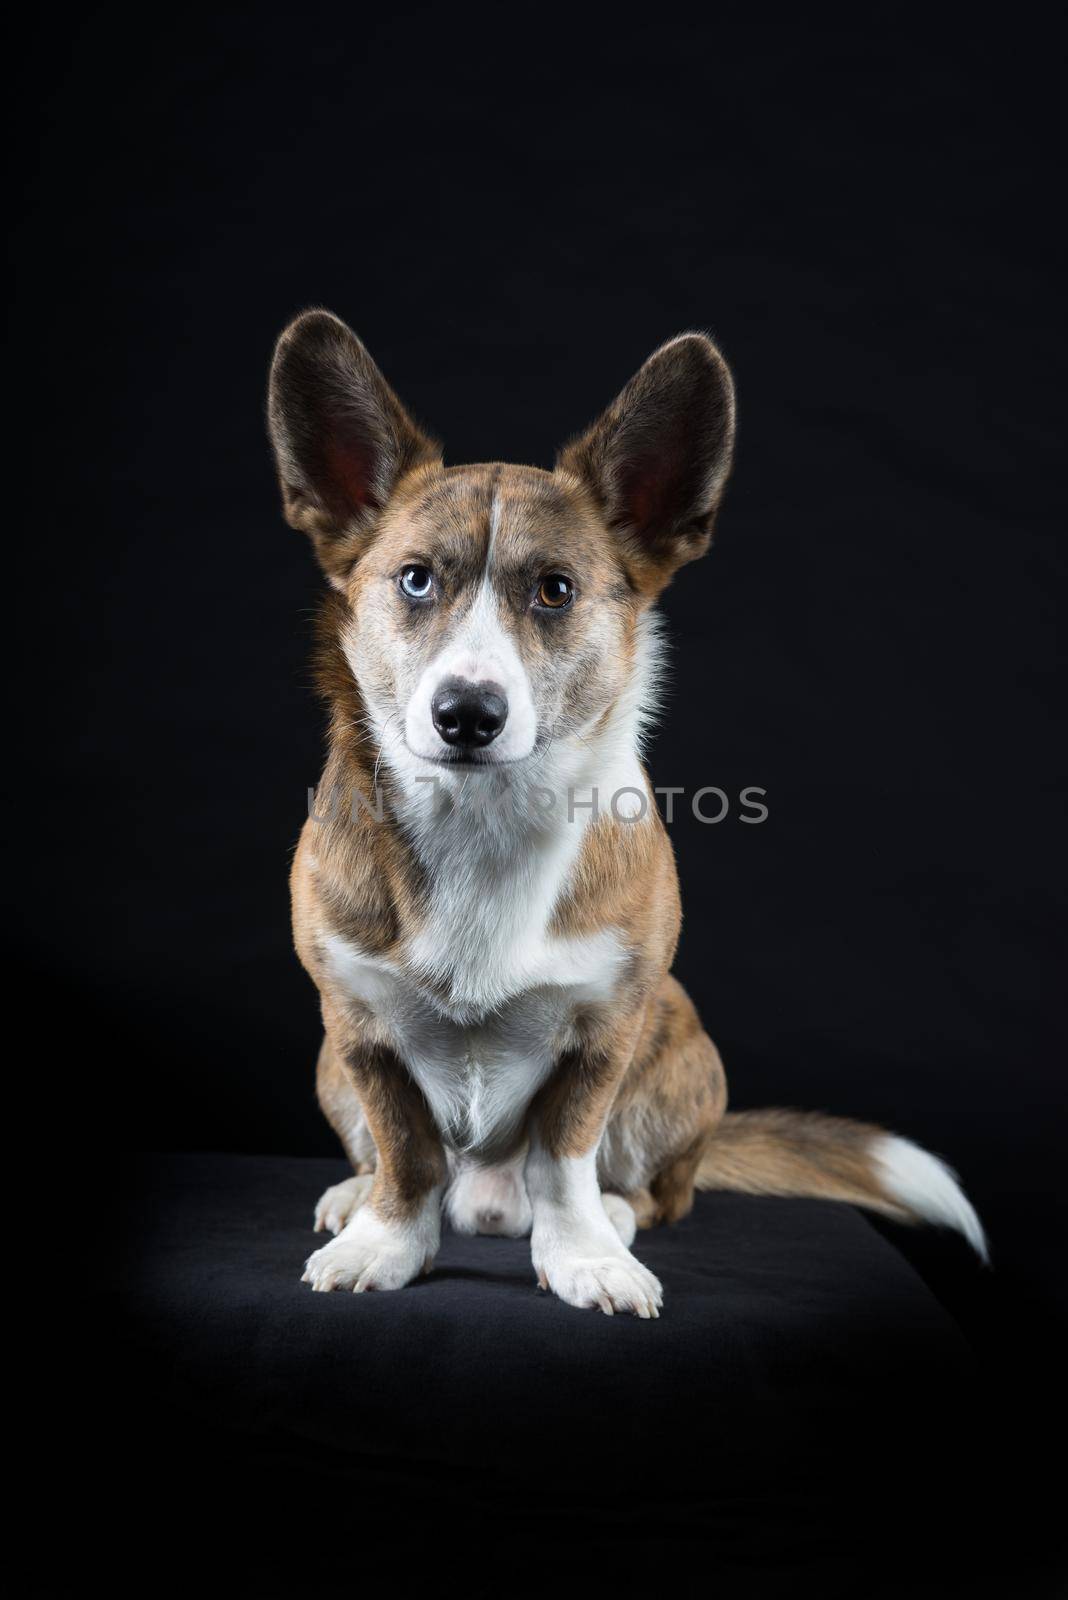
{"points": [[494, 523], [481, 649]]}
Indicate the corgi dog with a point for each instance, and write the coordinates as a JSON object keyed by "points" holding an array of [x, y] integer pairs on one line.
{"points": [[491, 910]]}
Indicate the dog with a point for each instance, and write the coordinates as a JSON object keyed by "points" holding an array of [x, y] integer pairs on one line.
{"points": [[504, 1041]]}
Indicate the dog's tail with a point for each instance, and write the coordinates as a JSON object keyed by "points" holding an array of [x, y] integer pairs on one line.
{"points": [[830, 1158]]}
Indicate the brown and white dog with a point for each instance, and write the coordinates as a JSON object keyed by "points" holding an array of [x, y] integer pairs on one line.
{"points": [[503, 1037]]}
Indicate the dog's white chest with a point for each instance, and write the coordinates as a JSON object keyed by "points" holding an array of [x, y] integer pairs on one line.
{"points": [[482, 997], [479, 1073]]}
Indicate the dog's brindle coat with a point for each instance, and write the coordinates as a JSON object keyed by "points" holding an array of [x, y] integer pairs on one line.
{"points": [[492, 952]]}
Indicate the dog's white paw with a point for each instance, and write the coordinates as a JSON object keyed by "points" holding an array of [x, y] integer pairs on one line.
{"points": [[371, 1254], [621, 1215], [490, 1200], [341, 1202], [613, 1281]]}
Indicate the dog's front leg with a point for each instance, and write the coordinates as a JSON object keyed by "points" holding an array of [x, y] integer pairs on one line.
{"points": [[576, 1250], [395, 1234]]}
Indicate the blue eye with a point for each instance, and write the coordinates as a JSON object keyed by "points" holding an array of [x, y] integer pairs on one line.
{"points": [[416, 582]]}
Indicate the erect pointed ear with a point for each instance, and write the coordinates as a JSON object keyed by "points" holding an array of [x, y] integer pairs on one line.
{"points": [[657, 460], [341, 437]]}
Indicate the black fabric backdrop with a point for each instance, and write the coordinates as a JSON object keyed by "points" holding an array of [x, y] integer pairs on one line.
{"points": [[513, 210]]}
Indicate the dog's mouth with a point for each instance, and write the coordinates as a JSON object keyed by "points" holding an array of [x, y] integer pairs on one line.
{"points": [[469, 760]]}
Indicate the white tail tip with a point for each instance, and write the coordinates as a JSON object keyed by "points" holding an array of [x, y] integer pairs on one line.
{"points": [[928, 1188]]}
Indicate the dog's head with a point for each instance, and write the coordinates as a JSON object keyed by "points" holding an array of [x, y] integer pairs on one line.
{"points": [[491, 610]]}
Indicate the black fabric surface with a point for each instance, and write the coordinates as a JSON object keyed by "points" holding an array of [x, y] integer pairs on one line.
{"points": [[804, 1406]]}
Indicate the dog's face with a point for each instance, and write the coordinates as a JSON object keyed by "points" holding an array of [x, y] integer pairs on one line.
{"points": [[489, 614], [492, 610]]}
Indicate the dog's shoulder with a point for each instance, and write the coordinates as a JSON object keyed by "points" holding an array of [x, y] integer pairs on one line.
{"points": [[625, 879], [351, 882]]}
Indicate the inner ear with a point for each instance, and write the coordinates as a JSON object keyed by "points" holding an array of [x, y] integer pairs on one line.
{"points": [[341, 437], [655, 489], [351, 466]]}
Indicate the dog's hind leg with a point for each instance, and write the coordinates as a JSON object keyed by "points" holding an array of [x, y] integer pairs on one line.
{"points": [[341, 1107], [666, 1113], [341, 1201]]}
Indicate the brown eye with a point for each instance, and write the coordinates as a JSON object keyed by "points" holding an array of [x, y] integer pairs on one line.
{"points": [[555, 592]]}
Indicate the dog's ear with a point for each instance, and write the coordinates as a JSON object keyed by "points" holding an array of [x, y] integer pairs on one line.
{"points": [[657, 460], [341, 437]]}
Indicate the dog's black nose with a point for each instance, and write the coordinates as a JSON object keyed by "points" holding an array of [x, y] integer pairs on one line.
{"points": [[468, 713]]}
